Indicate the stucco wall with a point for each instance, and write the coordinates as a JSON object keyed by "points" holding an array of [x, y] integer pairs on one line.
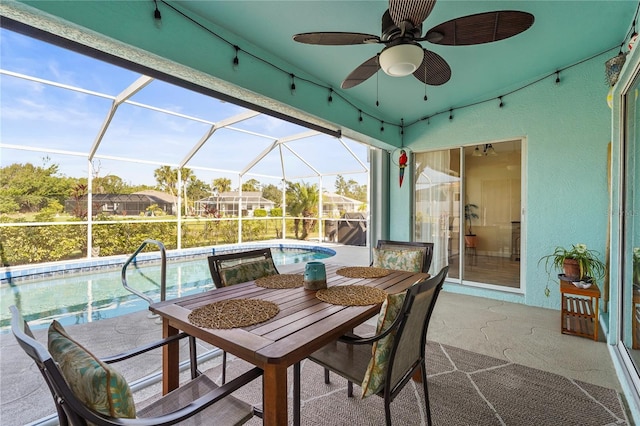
{"points": [[567, 128]]}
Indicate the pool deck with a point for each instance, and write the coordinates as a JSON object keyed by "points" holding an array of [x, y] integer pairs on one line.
{"points": [[521, 334]]}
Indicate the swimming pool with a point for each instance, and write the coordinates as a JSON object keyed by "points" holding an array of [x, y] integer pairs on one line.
{"points": [[91, 296]]}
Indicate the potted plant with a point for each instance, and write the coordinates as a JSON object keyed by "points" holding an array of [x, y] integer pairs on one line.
{"points": [[470, 238], [577, 263]]}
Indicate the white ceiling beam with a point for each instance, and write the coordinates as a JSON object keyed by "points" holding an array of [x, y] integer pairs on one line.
{"points": [[133, 88], [219, 125]]}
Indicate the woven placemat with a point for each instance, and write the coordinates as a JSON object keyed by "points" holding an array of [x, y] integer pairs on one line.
{"points": [[281, 281], [363, 272], [233, 313], [352, 295]]}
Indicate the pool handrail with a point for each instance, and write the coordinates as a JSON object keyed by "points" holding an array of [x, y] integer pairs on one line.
{"points": [[163, 271]]}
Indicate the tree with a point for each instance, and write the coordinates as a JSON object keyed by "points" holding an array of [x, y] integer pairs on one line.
{"points": [[341, 186], [29, 188], [222, 184], [78, 193], [198, 189], [273, 193], [252, 185], [302, 201], [167, 179], [109, 184], [351, 189]]}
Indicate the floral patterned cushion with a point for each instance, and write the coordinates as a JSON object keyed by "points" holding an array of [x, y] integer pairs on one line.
{"points": [[402, 260], [374, 378], [247, 271], [96, 384]]}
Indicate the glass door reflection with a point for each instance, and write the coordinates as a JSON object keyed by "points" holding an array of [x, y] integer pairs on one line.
{"points": [[631, 225]]}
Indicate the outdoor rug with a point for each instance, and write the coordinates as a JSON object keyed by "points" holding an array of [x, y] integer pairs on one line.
{"points": [[465, 388]]}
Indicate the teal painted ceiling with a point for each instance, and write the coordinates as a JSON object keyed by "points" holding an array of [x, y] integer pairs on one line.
{"points": [[563, 33]]}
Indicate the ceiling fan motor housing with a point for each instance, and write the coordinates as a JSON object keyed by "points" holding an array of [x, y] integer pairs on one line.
{"points": [[390, 30]]}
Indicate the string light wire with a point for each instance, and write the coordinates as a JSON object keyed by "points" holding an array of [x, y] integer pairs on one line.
{"points": [[360, 112]]}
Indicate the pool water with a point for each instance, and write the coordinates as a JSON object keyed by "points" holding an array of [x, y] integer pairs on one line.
{"points": [[88, 297]]}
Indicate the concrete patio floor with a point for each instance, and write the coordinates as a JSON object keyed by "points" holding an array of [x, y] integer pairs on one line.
{"points": [[521, 334]]}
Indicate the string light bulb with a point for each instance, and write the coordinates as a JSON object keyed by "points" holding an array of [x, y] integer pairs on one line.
{"points": [[382, 126], [157, 16], [236, 61], [501, 103], [293, 82], [330, 98], [359, 115], [557, 77], [451, 114]]}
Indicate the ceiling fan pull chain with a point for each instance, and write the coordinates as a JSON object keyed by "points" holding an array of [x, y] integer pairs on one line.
{"points": [[425, 83], [377, 89]]}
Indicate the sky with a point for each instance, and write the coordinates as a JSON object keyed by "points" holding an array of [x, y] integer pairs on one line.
{"points": [[68, 122]]}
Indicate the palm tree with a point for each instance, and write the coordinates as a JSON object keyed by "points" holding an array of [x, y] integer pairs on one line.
{"points": [[167, 179], [186, 177], [222, 184], [302, 201]]}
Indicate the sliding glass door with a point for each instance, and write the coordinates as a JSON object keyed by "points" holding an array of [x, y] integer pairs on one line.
{"points": [[468, 203], [437, 204], [630, 259]]}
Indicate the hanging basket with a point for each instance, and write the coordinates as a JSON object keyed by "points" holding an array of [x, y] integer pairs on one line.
{"points": [[613, 67]]}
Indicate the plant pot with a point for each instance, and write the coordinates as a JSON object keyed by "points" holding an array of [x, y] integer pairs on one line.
{"points": [[470, 241], [571, 269]]}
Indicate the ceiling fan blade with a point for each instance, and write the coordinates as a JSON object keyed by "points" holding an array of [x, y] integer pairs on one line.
{"points": [[335, 38], [480, 28], [361, 73], [414, 11], [434, 70]]}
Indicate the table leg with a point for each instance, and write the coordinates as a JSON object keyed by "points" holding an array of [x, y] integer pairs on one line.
{"points": [[563, 322], [296, 394], [170, 360], [595, 323], [274, 395]]}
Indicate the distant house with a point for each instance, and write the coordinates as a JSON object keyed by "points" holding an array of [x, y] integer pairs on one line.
{"points": [[124, 204], [334, 205], [230, 203]]}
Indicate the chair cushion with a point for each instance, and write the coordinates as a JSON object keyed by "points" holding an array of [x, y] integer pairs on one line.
{"points": [[402, 260], [247, 271], [93, 382], [374, 378]]}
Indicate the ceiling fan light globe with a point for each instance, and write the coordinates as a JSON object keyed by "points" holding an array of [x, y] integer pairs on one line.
{"points": [[401, 60]]}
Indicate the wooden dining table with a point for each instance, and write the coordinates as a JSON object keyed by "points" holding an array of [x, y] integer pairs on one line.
{"points": [[303, 325]]}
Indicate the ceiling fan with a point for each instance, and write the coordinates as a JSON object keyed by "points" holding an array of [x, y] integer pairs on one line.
{"points": [[402, 34]]}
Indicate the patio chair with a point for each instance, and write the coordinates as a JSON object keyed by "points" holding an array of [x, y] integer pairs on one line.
{"points": [[235, 268], [386, 250], [86, 390], [385, 362]]}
